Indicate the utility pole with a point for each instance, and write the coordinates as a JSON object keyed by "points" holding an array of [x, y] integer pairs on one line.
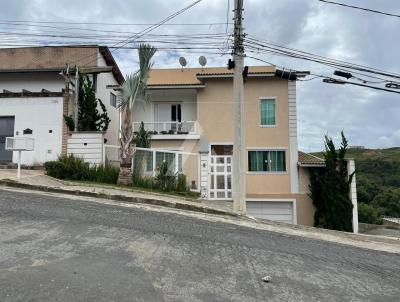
{"points": [[238, 177], [76, 103]]}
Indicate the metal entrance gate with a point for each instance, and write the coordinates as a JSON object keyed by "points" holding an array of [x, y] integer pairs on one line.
{"points": [[6, 130], [220, 177]]}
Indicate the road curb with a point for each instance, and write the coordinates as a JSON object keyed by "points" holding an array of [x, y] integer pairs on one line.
{"points": [[119, 197]]}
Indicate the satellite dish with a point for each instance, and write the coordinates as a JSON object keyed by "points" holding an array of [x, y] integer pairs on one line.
{"points": [[182, 61], [202, 61]]}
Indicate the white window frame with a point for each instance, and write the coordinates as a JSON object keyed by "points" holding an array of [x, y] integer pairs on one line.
{"points": [[268, 172], [158, 111], [179, 152], [260, 99]]}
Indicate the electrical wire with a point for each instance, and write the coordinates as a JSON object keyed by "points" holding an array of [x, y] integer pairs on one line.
{"points": [[149, 29], [257, 46], [111, 24], [330, 78], [361, 8]]}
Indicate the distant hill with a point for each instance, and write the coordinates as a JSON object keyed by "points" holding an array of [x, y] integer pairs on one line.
{"points": [[378, 182]]}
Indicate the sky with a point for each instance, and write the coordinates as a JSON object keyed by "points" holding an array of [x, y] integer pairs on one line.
{"points": [[368, 117]]}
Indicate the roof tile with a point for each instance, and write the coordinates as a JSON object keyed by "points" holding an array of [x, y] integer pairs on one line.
{"points": [[189, 76]]}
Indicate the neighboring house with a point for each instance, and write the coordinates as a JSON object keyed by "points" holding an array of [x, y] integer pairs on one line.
{"points": [[33, 98], [191, 110]]}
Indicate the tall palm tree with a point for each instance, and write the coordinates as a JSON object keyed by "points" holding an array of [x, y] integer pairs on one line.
{"points": [[132, 91]]}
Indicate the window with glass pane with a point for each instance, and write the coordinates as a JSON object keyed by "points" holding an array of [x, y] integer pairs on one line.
{"points": [[149, 161], [168, 157], [258, 161], [267, 112], [113, 99], [267, 161], [278, 161]]}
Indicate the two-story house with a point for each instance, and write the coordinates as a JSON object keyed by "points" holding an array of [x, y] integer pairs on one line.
{"points": [[191, 110], [33, 98]]}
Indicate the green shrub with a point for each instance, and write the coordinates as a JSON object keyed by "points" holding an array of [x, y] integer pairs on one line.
{"points": [[144, 182], [165, 180], [104, 174], [181, 183], [55, 169], [368, 214], [74, 168]]}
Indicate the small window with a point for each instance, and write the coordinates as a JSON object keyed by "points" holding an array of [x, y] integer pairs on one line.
{"points": [[268, 112], [267, 161], [170, 159], [113, 100]]}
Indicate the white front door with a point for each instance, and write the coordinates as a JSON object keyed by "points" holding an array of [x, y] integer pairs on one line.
{"points": [[167, 116], [220, 177]]}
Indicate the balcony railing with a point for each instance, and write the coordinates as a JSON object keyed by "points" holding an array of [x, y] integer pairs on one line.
{"points": [[180, 128]]}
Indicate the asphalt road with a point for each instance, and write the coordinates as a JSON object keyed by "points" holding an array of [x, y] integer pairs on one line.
{"points": [[57, 249]]}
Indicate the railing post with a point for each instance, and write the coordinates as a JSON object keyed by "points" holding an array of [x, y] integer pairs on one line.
{"points": [[104, 154], [154, 163]]}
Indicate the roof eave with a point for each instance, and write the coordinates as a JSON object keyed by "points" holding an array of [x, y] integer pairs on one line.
{"points": [[32, 70], [108, 57], [311, 165], [300, 74], [177, 86]]}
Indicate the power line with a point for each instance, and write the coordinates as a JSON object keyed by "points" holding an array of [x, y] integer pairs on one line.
{"points": [[263, 46], [152, 27], [227, 16], [330, 79], [111, 24], [361, 8]]}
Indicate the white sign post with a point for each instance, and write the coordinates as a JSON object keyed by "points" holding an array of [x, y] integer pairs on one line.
{"points": [[19, 144]]}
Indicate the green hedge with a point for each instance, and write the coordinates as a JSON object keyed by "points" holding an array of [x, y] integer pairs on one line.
{"points": [[74, 168]]}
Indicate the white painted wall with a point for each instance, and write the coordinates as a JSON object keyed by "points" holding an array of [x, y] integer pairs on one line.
{"points": [[103, 93], [86, 145], [186, 97], [41, 115], [33, 82]]}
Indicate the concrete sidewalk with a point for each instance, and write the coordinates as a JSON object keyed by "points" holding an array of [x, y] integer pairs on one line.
{"points": [[36, 180]]}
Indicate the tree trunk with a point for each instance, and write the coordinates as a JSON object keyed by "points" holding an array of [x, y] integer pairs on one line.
{"points": [[125, 175]]}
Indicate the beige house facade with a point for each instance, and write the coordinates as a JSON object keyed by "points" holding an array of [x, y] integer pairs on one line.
{"points": [[191, 111]]}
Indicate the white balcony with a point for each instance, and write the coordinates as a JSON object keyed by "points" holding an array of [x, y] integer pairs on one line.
{"points": [[170, 130]]}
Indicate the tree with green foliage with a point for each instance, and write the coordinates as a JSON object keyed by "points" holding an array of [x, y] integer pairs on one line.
{"points": [[89, 117], [369, 214], [388, 202], [143, 137], [133, 91], [330, 189], [141, 140], [367, 189]]}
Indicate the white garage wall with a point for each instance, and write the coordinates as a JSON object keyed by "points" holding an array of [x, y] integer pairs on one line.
{"points": [[41, 115]]}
